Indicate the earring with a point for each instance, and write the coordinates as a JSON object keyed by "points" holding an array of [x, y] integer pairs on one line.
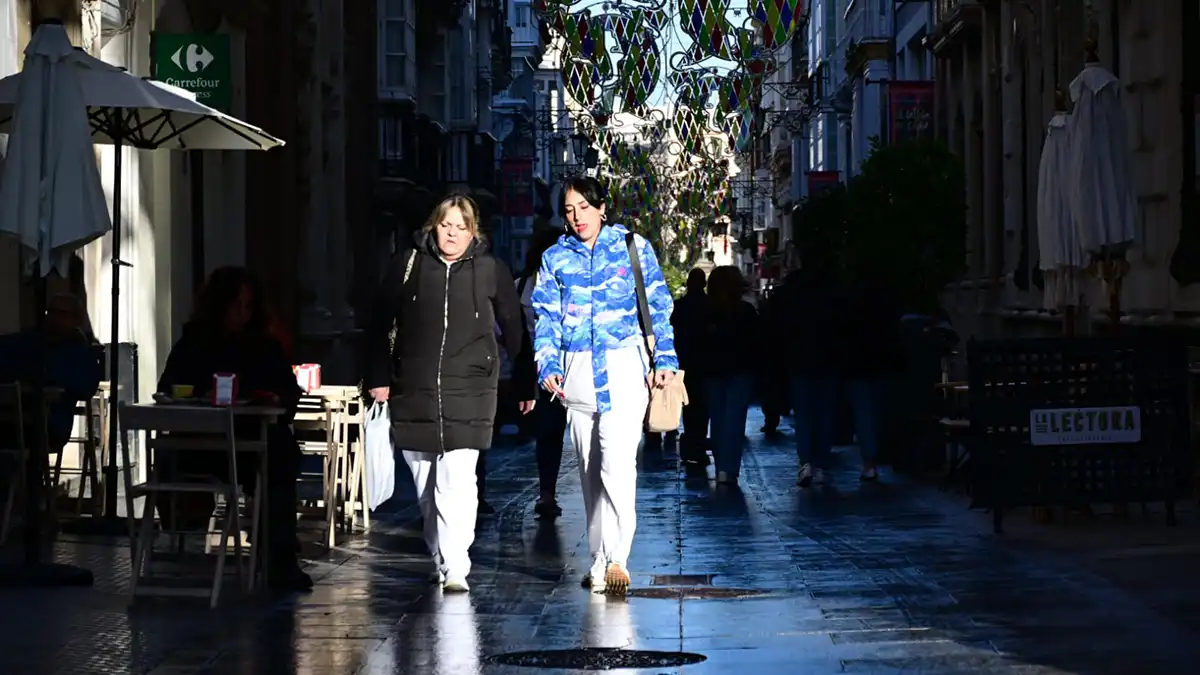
{"points": [[603, 217]]}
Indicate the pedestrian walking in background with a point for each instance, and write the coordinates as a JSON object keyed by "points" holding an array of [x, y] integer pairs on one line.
{"points": [[874, 360], [591, 354], [728, 352], [688, 320], [549, 418], [433, 356], [804, 322]]}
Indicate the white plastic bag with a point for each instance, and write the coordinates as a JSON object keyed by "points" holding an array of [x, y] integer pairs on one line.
{"points": [[380, 458]]}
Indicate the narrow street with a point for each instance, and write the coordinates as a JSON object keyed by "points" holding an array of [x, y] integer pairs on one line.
{"points": [[880, 579]]}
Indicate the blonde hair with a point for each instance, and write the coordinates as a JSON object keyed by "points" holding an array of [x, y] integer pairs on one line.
{"points": [[463, 203]]}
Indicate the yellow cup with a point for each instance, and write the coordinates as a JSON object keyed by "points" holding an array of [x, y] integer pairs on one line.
{"points": [[181, 391]]}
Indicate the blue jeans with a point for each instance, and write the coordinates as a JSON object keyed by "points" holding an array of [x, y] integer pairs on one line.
{"points": [[814, 403], [728, 400], [866, 397]]}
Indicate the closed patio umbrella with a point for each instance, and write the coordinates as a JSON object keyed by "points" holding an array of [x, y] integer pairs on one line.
{"points": [[51, 202], [126, 110], [1062, 259], [1103, 204]]}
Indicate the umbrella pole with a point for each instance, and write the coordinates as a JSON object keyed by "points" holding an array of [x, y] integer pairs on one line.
{"points": [[110, 524], [114, 357]]}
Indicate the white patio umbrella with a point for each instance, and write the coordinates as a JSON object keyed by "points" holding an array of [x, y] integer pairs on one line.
{"points": [[124, 109], [1062, 258], [51, 197], [1103, 203], [51, 202]]}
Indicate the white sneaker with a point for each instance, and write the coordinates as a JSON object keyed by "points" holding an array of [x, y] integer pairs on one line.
{"points": [[595, 578], [455, 584]]}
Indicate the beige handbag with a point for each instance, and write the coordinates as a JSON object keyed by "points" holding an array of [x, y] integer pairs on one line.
{"points": [[666, 404]]}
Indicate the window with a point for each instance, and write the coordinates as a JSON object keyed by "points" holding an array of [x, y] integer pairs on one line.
{"points": [[395, 40], [523, 12]]}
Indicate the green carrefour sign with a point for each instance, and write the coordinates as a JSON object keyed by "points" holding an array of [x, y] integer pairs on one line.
{"points": [[198, 62]]}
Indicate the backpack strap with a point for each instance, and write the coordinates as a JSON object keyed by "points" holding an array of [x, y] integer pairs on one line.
{"points": [[640, 284]]}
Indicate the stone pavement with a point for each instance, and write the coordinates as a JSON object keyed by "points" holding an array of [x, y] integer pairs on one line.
{"points": [[881, 579]]}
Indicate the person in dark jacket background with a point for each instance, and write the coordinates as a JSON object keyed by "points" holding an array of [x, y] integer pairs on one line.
{"points": [[229, 333], [727, 351], [874, 359], [804, 317], [688, 320], [439, 305], [550, 419]]}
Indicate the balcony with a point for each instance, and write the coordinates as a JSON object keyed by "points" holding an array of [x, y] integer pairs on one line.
{"points": [[954, 21]]}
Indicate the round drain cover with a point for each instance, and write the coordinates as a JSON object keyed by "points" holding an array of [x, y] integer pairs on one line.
{"points": [[596, 659], [696, 593]]}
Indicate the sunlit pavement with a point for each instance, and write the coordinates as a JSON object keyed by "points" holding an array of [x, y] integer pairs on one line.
{"points": [[887, 578]]}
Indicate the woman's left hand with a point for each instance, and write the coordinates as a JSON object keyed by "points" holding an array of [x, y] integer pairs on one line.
{"points": [[526, 407], [662, 378]]}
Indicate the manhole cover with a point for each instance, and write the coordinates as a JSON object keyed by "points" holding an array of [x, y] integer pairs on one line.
{"points": [[696, 593], [596, 659]]}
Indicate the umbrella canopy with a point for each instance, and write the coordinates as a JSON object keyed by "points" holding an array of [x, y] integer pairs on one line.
{"points": [[1062, 257], [51, 197], [1103, 204], [138, 112]]}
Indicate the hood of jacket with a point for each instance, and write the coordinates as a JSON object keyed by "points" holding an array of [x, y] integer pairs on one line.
{"points": [[607, 234], [427, 242]]}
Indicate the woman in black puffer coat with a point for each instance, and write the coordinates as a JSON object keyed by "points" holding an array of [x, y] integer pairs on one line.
{"points": [[433, 357]]}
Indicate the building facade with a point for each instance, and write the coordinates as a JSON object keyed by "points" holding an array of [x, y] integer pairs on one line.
{"points": [[999, 68]]}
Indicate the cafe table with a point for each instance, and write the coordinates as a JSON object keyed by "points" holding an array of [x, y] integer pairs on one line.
{"points": [[266, 415]]}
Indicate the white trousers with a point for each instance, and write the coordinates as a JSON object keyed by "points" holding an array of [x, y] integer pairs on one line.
{"points": [[607, 446], [449, 503]]}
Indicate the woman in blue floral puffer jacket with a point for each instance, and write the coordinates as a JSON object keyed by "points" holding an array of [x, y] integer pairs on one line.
{"points": [[591, 354]]}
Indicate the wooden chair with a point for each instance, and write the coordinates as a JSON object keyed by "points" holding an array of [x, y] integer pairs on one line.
{"points": [[316, 419], [170, 429], [12, 444], [89, 443], [348, 437], [954, 425]]}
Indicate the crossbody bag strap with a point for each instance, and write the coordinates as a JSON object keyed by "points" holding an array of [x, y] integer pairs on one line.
{"points": [[640, 284]]}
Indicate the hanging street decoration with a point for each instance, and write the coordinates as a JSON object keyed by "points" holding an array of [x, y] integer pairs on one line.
{"points": [[668, 89]]}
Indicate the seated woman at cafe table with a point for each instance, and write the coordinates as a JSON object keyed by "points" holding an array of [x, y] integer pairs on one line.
{"points": [[228, 333], [72, 363]]}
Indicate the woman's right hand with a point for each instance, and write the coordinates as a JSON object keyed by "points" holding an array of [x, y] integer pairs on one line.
{"points": [[380, 394], [553, 384]]}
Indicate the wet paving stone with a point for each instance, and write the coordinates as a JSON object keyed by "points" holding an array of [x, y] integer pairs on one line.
{"points": [[766, 579]]}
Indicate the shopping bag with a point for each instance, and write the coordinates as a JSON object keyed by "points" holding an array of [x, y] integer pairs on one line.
{"points": [[381, 460]]}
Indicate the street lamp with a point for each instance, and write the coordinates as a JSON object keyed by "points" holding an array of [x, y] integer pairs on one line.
{"points": [[579, 145]]}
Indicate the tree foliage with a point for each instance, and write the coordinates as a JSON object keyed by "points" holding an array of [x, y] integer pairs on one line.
{"points": [[902, 220]]}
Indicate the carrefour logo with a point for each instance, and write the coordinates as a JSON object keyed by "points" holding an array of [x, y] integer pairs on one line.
{"points": [[192, 58]]}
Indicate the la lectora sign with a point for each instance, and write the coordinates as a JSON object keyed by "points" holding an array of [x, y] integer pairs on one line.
{"points": [[1085, 426]]}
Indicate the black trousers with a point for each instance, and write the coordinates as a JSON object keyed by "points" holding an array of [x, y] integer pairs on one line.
{"points": [[551, 425], [694, 443]]}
